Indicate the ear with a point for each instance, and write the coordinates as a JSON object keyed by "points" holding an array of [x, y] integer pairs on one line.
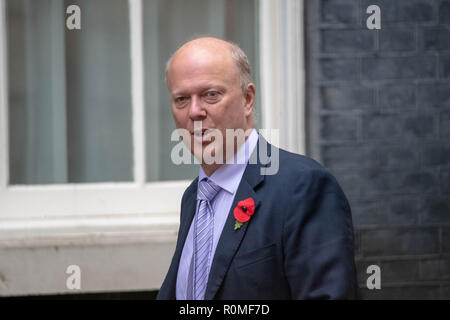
{"points": [[249, 98]]}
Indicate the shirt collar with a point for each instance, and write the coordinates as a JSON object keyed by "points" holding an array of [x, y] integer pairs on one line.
{"points": [[229, 175]]}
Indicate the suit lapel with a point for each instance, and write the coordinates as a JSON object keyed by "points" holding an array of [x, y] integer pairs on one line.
{"points": [[230, 239], [188, 216], [188, 212]]}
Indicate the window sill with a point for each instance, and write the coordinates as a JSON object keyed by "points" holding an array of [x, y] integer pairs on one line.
{"points": [[115, 253], [89, 230]]}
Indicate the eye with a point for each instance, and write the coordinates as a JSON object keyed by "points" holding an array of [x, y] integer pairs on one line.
{"points": [[212, 96], [180, 101]]}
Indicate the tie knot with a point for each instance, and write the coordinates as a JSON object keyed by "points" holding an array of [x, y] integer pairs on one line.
{"points": [[207, 190]]}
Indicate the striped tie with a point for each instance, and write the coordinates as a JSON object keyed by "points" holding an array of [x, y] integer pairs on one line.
{"points": [[203, 238]]}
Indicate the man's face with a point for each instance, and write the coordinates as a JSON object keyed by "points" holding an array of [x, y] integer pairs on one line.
{"points": [[204, 86]]}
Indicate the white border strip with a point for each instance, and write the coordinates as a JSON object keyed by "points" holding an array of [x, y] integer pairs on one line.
{"points": [[4, 163], [105, 200], [137, 90], [295, 74], [270, 63], [89, 230], [282, 71]]}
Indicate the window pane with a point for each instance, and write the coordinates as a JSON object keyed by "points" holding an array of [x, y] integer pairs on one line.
{"points": [[69, 92], [167, 25]]}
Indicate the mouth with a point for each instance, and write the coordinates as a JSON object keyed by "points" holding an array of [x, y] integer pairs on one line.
{"points": [[203, 135], [199, 133]]}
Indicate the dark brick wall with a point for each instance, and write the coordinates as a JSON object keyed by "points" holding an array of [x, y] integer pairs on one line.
{"points": [[378, 104]]}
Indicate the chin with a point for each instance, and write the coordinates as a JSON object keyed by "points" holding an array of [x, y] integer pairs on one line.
{"points": [[209, 153]]}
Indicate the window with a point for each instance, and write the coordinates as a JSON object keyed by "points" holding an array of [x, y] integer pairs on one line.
{"points": [[85, 124], [85, 119], [69, 93], [70, 98], [85, 115]]}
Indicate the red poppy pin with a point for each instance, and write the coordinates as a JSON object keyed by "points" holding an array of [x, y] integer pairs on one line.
{"points": [[243, 212]]}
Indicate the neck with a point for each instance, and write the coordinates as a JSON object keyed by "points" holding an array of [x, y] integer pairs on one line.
{"points": [[209, 169]]}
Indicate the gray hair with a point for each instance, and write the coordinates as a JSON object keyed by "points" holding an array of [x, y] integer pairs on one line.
{"points": [[242, 63]]}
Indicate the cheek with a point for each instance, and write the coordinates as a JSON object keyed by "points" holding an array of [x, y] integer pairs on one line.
{"points": [[239, 106], [179, 118], [237, 116], [233, 113]]}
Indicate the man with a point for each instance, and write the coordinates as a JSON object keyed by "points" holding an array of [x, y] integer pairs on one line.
{"points": [[245, 234]]}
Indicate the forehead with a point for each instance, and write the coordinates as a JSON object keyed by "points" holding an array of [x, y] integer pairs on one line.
{"points": [[197, 65]]}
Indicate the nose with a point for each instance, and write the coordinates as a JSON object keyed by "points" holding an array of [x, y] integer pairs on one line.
{"points": [[196, 110]]}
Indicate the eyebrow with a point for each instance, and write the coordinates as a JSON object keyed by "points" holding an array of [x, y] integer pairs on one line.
{"points": [[217, 87]]}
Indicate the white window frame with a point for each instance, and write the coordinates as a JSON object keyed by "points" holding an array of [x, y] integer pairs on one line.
{"points": [[282, 71], [33, 214]]}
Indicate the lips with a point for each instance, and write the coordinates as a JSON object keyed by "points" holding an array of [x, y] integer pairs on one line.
{"points": [[203, 135], [199, 133]]}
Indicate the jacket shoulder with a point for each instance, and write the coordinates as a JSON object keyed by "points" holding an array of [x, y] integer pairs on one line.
{"points": [[300, 162], [191, 189], [302, 171]]}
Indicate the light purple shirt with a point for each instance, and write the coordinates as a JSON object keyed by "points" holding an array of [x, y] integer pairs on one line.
{"points": [[228, 178]]}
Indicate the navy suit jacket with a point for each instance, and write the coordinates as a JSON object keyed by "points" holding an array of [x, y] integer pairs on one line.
{"points": [[298, 244]]}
